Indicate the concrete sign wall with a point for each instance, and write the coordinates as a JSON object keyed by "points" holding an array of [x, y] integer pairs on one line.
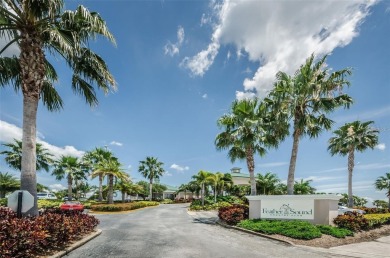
{"points": [[287, 209], [317, 209]]}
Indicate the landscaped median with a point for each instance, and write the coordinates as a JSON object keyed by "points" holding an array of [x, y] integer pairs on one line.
{"points": [[122, 206], [350, 228]]}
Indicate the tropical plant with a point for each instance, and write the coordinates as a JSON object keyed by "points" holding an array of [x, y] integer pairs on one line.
{"points": [[151, 169], [13, 156], [112, 169], [380, 204], [249, 129], [93, 158], [124, 186], [194, 188], [8, 183], [383, 183], [42, 188], [183, 188], [307, 97], [144, 189], [216, 180], [38, 28], [351, 137], [202, 178], [71, 168], [357, 201], [267, 183], [303, 187]]}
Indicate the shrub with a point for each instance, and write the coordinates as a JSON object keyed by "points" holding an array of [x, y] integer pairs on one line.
{"points": [[375, 220], [374, 210], [352, 221], [31, 236], [123, 206], [3, 201], [233, 214], [294, 228], [167, 201], [334, 231]]}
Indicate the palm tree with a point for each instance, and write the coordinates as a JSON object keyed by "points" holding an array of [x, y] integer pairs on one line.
{"points": [[151, 169], [202, 178], [183, 188], [13, 156], [8, 183], [71, 168], [303, 187], [124, 186], [93, 158], [216, 180], [348, 138], [38, 28], [383, 183], [112, 169], [248, 130], [267, 183], [307, 97]]}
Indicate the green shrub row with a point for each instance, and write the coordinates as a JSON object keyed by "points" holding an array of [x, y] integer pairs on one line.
{"points": [[3, 202], [167, 201], [375, 220], [357, 222], [208, 207], [33, 236], [293, 228], [374, 210], [122, 206]]}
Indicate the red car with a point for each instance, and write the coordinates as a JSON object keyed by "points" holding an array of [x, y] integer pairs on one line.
{"points": [[72, 206]]}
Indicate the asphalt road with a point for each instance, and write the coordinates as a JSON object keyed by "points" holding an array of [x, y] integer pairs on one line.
{"points": [[168, 231]]}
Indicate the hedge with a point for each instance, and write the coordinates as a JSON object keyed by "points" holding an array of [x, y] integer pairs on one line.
{"points": [[123, 206]]}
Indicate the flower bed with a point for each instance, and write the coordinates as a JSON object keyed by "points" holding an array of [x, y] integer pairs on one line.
{"points": [[122, 206], [32, 236]]}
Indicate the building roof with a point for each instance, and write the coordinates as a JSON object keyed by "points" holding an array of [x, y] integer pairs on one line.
{"points": [[240, 175]]}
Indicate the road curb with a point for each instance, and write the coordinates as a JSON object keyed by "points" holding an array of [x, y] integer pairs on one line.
{"points": [[77, 244]]}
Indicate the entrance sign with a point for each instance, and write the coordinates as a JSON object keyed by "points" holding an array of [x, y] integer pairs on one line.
{"points": [[287, 209], [315, 208]]}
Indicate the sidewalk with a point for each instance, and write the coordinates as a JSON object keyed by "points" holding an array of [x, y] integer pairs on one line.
{"points": [[377, 248]]}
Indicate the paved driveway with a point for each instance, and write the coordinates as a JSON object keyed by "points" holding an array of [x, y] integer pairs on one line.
{"points": [[168, 231]]}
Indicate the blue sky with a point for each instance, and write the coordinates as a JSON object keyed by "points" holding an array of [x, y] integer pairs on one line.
{"points": [[180, 64]]}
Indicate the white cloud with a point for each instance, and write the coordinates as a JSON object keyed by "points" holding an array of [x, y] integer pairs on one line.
{"points": [[11, 131], [116, 143], [174, 48], [381, 146], [11, 50], [316, 179], [245, 95], [57, 187], [204, 96], [167, 174], [343, 187], [279, 35], [372, 166], [179, 168]]}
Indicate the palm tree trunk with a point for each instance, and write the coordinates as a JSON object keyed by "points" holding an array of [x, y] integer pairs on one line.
{"points": [[100, 188], [151, 190], [251, 168], [70, 182], [110, 189], [32, 67], [123, 197], [389, 202], [202, 194], [215, 194], [351, 163], [293, 160]]}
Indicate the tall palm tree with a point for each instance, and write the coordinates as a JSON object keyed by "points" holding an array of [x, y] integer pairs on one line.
{"points": [[93, 158], [383, 183], [8, 183], [151, 169], [71, 168], [351, 137], [44, 27], [267, 183], [13, 156], [202, 178], [112, 169], [248, 130], [307, 97], [303, 187]]}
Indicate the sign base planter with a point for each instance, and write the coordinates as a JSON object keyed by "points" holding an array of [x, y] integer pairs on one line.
{"points": [[316, 209]]}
